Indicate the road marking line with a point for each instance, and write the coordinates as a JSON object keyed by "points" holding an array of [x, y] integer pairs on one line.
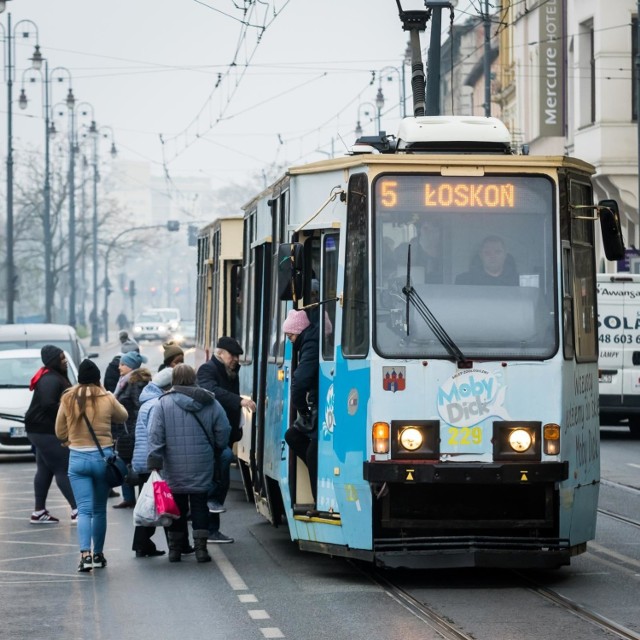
{"points": [[272, 632], [228, 570], [47, 555], [259, 614], [49, 544], [247, 597], [632, 464], [614, 554], [35, 573]]}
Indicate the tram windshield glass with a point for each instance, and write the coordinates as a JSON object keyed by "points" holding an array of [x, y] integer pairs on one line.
{"points": [[479, 252]]}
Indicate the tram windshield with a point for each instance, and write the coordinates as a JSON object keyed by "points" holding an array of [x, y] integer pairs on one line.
{"points": [[480, 254]]}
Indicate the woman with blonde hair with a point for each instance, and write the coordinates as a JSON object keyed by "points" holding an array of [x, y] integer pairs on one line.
{"points": [[89, 403]]}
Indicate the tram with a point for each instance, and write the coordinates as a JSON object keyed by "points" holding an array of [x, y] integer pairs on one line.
{"points": [[454, 287], [219, 256], [458, 416]]}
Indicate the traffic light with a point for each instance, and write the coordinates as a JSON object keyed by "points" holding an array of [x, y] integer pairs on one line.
{"points": [[132, 288], [193, 235], [173, 225]]}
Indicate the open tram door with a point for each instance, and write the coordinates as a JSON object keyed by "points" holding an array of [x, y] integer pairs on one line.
{"points": [[307, 275]]}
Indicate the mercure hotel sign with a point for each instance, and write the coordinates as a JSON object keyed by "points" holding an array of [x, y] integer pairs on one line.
{"points": [[551, 68]]}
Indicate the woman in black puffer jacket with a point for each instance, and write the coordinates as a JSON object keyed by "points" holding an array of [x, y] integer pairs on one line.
{"points": [[133, 379]]}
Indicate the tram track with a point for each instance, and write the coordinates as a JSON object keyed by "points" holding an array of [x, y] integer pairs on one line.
{"points": [[581, 611], [447, 629]]}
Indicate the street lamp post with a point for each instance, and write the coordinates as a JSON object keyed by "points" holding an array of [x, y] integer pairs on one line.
{"points": [[71, 103], [171, 225], [11, 274], [379, 103], [95, 328], [401, 88], [37, 62], [358, 129]]}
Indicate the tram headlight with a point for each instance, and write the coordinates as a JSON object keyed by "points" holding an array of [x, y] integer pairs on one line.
{"points": [[415, 439], [520, 440], [411, 438], [517, 440]]}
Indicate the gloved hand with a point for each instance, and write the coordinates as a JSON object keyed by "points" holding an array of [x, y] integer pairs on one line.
{"points": [[154, 462]]}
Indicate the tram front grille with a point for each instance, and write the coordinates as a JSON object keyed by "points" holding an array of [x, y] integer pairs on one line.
{"points": [[467, 509]]}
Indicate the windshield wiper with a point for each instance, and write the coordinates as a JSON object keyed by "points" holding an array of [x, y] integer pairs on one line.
{"points": [[432, 322], [14, 386]]}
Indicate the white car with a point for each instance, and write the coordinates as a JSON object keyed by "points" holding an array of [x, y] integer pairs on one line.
{"points": [[151, 325], [17, 367]]}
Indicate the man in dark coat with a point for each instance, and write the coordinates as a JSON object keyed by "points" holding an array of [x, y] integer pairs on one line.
{"points": [[52, 459], [302, 436], [220, 375]]}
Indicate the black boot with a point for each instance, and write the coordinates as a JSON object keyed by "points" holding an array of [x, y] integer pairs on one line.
{"points": [[200, 544], [175, 539]]}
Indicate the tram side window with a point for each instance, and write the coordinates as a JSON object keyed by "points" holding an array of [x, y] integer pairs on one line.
{"points": [[355, 321], [329, 292], [584, 286], [279, 215], [248, 279]]}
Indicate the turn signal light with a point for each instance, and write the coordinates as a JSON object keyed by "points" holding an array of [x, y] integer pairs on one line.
{"points": [[380, 435], [551, 434]]}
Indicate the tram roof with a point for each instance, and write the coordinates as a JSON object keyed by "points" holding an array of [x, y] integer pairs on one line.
{"points": [[426, 162], [432, 161]]}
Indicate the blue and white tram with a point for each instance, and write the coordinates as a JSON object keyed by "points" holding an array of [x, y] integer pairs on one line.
{"points": [[458, 400]]}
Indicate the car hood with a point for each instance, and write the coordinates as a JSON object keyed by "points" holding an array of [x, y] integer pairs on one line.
{"points": [[15, 401]]}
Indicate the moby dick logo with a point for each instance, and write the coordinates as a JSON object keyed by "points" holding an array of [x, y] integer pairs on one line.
{"points": [[470, 397]]}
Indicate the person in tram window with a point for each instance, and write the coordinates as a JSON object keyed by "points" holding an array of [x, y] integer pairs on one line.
{"points": [[220, 375], [492, 265], [302, 436], [426, 252]]}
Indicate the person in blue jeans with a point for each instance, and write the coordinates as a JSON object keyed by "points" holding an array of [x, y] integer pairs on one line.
{"points": [[87, 468]]}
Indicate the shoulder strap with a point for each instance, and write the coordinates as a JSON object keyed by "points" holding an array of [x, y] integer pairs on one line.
{"points": [[93, 434], [206, 435], [195, 415]]}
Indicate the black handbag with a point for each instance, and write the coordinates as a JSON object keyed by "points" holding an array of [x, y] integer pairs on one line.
{"points": [[125, 444], [116, 469]]}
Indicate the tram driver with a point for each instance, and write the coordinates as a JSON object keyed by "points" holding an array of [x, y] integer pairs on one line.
{"points": [[492, 265]]}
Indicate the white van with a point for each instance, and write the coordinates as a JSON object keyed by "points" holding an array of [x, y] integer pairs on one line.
{"points": [[619, 359]]}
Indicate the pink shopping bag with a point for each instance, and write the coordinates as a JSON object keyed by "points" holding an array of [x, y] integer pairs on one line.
{"points": [[165, 504]]}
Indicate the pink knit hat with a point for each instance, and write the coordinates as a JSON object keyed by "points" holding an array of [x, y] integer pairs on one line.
{"points": [[296, 322]]}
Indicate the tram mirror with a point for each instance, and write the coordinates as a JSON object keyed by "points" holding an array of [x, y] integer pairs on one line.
{"points": [[611, 231], [290, 271]]}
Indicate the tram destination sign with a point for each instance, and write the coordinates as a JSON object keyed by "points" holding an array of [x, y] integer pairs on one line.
{"points": [[408, 193]]}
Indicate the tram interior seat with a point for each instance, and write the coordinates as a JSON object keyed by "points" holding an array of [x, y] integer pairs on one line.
{"points": [[500, 314]]}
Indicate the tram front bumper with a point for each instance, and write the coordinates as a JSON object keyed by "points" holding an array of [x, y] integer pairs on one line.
{"points": [[417, 472]]}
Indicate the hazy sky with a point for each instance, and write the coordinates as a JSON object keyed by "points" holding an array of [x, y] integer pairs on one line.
{"points": [[203, 87]]}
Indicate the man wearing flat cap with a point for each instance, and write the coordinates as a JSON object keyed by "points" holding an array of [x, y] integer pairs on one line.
{"points": [[220, 375]]}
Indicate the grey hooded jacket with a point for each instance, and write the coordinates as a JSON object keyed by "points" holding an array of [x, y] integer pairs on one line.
{"points": [[177, 443]]}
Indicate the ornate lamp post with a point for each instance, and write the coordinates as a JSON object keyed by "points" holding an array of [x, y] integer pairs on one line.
{"points": [[9, 38], [94, 131], [37, 62], [358, 129]]}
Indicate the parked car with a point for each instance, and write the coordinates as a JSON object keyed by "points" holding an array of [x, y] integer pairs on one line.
{"points": [[35, 336], [151, 325], [186, 334], [17, 367]]}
